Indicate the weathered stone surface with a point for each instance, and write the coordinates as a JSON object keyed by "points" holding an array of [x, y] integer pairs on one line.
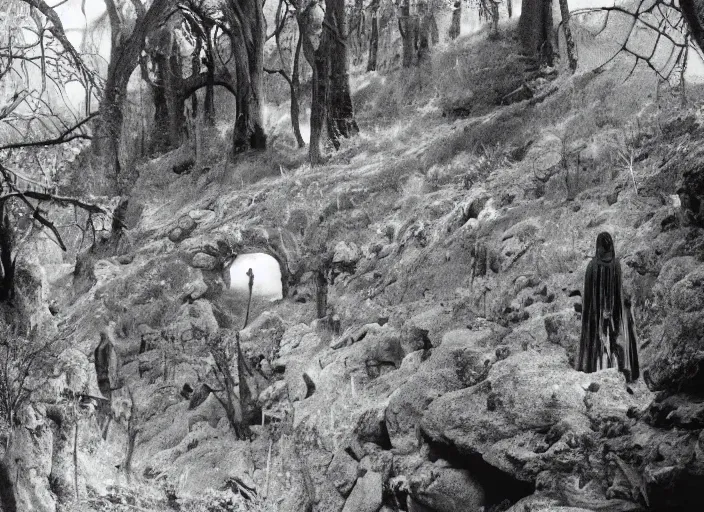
{"points": [[445, 489], [366, 496], [463, 358], [195, 289], [343, 472], [204, 261], [674, 360]]}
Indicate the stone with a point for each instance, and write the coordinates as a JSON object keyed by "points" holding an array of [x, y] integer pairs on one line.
{"points": [[445, 489], [202, 216], [204, 261], [462, 358], [343, 472], [195, 289], [366, 496], [346, 253], [186, 223]]}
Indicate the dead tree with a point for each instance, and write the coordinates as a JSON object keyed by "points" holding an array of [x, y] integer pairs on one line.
{"points": [[670, 25], [236, 394]]}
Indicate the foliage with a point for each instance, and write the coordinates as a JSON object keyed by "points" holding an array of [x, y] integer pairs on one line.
{"points": [[22, 361]]}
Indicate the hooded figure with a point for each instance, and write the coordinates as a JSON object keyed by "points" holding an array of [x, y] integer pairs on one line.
{"points": [[608, 332]]}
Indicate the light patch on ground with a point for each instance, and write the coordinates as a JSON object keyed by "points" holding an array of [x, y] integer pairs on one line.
{"points": [[267, 275]]}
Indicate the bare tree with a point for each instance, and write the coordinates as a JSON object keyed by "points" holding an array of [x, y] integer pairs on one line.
{"points": [[667, 22]]}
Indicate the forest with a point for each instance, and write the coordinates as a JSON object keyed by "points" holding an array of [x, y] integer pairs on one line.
{"points": [[329, 255]]}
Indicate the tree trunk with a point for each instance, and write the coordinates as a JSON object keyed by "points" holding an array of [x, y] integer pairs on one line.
{"points": [[341, 120], [569, 41], [321, 293], [535, 29], [693, 12], [169, 119], [315, 48], [295, 93], [455, 24], [124, 57], [209, 103], [247, 19], [424, 19], [509, 8], [7, 264], [374, 37], [407, 28]]}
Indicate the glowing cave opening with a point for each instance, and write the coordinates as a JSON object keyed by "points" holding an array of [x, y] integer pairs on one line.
{"points": [[267, 275]]}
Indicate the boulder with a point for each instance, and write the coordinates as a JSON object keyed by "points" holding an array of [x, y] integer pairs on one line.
{"points": [[445, 489], [462, 359], [342, 472], [204, 261], [674, 360], [366, 496]]}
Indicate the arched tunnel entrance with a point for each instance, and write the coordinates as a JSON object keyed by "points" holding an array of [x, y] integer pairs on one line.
{"points": [[267, 276]]}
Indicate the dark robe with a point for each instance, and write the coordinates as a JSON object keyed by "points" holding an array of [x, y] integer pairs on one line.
{"points": [[608, 337]]}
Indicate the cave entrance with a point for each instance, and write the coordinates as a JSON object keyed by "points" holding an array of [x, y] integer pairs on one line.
{"points": [[267, 276]]}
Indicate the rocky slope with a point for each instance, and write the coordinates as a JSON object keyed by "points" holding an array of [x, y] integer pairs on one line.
{"points": [[456, 241]]}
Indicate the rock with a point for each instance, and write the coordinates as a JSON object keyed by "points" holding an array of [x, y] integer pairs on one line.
{"points": [[366, 495], [462, 359], [343, 472], [346, 253], [534, 413], [204, 261], [202, 216], [272, 394], [444, 489], [125, 259], [564, 329], [186, 223], [30, 460], [674, 360], [176, 235], [195, 289], [414, 338]]}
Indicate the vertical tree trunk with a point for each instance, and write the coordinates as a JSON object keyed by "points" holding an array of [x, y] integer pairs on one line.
{"points": [[315, 48], [692, 12], [295, 93], [321, 293], [535, 29], [247, 19], [374, 37], [424, 20], [209, 103], [7, 264], [509, 8], [569, 41], [456, 22], [341, 120], [406, 26]]}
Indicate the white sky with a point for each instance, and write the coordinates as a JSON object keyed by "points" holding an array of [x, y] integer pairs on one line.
{"points": [[267, 275]]}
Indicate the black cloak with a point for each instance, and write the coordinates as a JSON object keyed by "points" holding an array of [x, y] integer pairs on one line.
{"points": [[608, 337]]}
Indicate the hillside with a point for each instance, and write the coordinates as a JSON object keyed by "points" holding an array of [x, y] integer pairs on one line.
{"points": [[454, 232]]}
